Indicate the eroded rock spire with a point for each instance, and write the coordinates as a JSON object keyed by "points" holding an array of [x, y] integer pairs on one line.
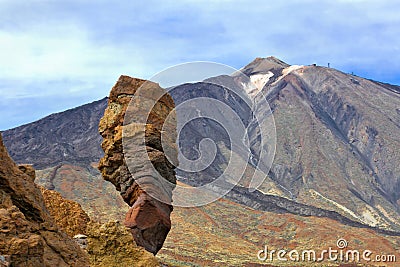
{"points": [[134, 175]]}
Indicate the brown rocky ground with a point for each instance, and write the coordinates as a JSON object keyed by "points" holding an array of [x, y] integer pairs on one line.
{"points": [[225, 233], [111, 245], [84, 187]]}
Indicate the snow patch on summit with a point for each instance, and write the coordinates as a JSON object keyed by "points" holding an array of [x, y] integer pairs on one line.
{"points": [[260, 80], [289, 69], [257, 83]]}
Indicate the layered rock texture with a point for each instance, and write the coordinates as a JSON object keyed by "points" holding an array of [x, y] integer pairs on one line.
{"points": [[129, 129], [28, 234]]}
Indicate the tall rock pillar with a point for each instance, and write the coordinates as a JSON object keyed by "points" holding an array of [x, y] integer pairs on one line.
{"points": [[138, 129]]}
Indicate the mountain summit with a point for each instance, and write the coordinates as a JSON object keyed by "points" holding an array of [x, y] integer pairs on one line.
{"points": [[263, 65]]}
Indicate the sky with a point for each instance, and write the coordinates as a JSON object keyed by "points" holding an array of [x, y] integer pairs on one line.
{"points": [[58, 54]]}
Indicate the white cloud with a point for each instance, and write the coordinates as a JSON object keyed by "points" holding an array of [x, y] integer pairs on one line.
{"points": [[54, 48]]}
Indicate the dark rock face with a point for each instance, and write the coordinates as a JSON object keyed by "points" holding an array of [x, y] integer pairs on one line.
{"points": [[200, 128], [28, 235], [67, 137], [148, 218]]}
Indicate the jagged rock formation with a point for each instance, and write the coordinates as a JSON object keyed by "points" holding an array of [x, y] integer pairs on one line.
{"points": [[68, 215], [65, 149], [148, 218], [107, 244], [28, 234]]}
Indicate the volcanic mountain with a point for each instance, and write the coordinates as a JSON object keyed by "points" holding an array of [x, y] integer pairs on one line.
{"points": [[336, 155], [337, 139]]}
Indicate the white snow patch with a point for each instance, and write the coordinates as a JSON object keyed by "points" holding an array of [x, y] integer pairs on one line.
{"points": [[260, 80], [289, 69], [257, 83], [369, 216], [250, 88]]}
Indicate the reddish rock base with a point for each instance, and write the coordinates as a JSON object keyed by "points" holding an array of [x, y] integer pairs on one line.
{"points": [[149, 222]]}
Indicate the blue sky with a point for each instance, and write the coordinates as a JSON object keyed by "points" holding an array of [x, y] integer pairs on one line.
{"points": [[59, 54]]}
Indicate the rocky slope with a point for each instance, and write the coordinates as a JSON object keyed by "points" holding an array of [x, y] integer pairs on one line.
{"points": [[225, 233], [131, 173], [29, 236], [337, 138], [84, 185], [337, 143], [67, 137]]}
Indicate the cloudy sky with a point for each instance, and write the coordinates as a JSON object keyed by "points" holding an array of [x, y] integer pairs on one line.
{"points": [[60, 54]]}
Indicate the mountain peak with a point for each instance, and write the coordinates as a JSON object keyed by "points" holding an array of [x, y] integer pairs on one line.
{"points": [[263, 65], [262, 71]]}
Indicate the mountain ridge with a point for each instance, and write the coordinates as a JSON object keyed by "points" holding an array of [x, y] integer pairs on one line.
{"points": [[49, 141]]}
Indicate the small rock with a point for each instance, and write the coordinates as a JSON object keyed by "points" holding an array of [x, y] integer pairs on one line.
{"points": [[81, 240], [29, 170]]}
